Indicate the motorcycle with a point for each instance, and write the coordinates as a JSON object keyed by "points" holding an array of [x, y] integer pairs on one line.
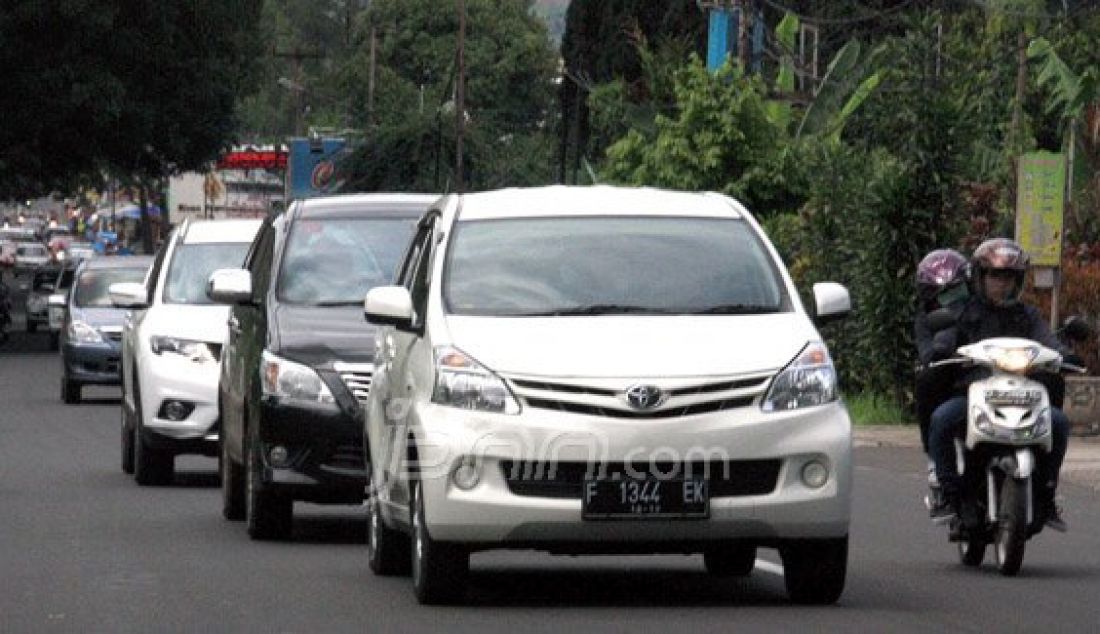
{"points": [[1008, 423]]}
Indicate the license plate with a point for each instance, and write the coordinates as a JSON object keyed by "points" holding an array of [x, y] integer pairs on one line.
{"points": [[1009, 398], [642, 498]]}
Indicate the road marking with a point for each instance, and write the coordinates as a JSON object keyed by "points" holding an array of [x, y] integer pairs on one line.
{"points": [[767, 566]]}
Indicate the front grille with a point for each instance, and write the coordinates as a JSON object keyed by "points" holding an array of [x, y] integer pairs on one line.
{"points": [[357, 378], [608, 399], [565, 480]]}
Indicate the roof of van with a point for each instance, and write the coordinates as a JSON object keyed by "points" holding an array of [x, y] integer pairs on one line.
{"points": [[213, 231], [595, 200]]}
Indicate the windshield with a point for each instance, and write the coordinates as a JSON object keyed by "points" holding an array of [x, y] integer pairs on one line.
{"points": [[337, 260], [192, 265], [91, 289], [610, 265]]}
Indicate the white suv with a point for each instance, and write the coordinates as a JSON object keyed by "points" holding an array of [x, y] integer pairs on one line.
{"points": [[171, 344], [601, 369]]}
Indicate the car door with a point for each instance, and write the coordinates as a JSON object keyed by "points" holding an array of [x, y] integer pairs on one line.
{"points": [[397, 348], [245, 342]]}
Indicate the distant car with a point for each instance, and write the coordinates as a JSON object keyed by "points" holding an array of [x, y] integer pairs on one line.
{"points": [[44, 282], [297, 365], [30, 255], [91, 337], [171, 347], [80, 250]]}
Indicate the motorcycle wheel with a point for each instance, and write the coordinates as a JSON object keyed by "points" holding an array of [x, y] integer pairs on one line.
{"points": [[1010, 538]]}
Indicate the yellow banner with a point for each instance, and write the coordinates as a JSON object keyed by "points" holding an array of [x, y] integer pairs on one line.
{"points": [[1040, 200]]}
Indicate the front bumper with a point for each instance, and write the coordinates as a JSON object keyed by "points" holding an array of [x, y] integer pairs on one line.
{"points": [[324, 448], [169, 377], [92, 363], [493, 514]]}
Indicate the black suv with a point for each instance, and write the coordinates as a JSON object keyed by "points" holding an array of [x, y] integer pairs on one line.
{"points": [[297, 365]]}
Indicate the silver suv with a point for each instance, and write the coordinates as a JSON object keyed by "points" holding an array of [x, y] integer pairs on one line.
{"points": [[600, 369]]}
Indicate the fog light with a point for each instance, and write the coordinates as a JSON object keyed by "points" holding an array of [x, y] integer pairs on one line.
{"points": [[176, 410], [466, 476], [277, 456], [815, 474]]}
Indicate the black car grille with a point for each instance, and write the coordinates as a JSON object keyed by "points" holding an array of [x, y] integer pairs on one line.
{"points": [[348, 457], [593, 410], [564, 480]]}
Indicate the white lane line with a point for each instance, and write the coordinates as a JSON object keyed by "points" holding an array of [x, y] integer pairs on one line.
{"points": [[767, 566]]}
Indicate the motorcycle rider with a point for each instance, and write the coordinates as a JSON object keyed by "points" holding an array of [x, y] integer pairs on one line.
{"points": [[941, 283], [997, 269]]}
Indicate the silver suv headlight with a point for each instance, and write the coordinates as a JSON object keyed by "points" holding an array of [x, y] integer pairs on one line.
{"points": [[460, 381], [807, 381], [290, 381], [196, 351], [80, 332]]}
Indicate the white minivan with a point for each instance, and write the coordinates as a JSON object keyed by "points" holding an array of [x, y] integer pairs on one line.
{"points": [[604, 370]]}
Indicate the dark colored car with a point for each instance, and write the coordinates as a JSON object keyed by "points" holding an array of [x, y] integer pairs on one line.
{"points": [[297, 365], [44, 282], [91, 336]]}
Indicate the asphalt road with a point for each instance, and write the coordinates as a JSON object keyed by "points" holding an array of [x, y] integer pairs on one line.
{"points": [[84, 549]]}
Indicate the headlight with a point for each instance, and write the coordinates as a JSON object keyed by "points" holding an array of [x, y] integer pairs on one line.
{"points": [[983, 423], [196, 351], [809, 380], [1015, 360], [287, 380], [462, 382], [80, 332]]}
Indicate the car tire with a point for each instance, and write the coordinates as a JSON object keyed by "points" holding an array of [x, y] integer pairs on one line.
{"points": [[152, 467], [70, 391], [439, 570], [388, 550], [232, 476], [127, 443], [55, 341], [730, 559], [270, 515], [815, 569]]}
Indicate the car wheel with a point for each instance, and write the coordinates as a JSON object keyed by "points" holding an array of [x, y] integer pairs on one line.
{"points": [[70, 391], [730, 559], [152, 467], [387, 549], [814, 569], [232, 475], [55, 342], [270, 515], [127, 443], [439, 570]]}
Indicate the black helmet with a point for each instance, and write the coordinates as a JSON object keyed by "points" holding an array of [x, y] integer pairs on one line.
{"points": [[1000, 256], [941, 278]]}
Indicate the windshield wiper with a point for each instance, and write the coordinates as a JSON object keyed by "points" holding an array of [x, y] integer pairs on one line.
{"points": [[737, 309], [599, 309], [340, 302]]}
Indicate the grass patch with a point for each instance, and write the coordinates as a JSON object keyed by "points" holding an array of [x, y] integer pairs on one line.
{"points": [[876, 409]]}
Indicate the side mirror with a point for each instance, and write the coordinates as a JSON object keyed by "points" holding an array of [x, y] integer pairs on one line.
{"points": [[128, 295], [832, 302], [1076, 329], [389, 305], [59, 300], [230, 286]]}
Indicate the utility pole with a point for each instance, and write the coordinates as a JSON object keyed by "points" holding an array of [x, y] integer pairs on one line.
{"points": [[744, 29], [297, 56], [460, 96], [370, 79]]}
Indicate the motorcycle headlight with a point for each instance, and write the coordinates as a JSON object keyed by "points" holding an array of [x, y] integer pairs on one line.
{"points": [[1015, 360], [81, 332], [983, 422], [807, 381], [196, 351], [287, 380], [1042, 424], [462, 382]]}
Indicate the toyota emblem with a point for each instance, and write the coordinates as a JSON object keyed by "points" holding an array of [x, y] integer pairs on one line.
{"points": [[644, 396]]}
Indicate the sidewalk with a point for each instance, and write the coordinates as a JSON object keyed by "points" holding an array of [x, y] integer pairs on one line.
{"points": [[1082, 465]]}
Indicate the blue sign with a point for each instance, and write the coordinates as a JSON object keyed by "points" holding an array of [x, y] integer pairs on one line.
{"points": [[313, 167]]}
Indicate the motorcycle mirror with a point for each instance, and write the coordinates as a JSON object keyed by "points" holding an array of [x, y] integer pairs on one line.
{"points": [[1076, 328], [941, 319]]}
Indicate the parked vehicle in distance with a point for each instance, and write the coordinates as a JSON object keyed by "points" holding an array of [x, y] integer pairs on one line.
{"points": [[44, 281], [30, 255], [171, 346], [602, 369], [297, 364], [91, 333]]}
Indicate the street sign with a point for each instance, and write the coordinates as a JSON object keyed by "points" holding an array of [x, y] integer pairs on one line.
{"points": [[313, 167], [1040, 200]]}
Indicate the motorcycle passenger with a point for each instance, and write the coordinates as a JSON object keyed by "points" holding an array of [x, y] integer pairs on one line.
{"points": [[997, 269]]}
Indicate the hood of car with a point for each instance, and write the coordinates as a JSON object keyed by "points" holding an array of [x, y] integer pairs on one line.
{"points": [[100, 317], [633, 346], [320, 335], [203, 322]]}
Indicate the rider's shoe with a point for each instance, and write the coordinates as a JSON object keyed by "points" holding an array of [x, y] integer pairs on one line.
{"points": [[942, 509], [1053, 518]]}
